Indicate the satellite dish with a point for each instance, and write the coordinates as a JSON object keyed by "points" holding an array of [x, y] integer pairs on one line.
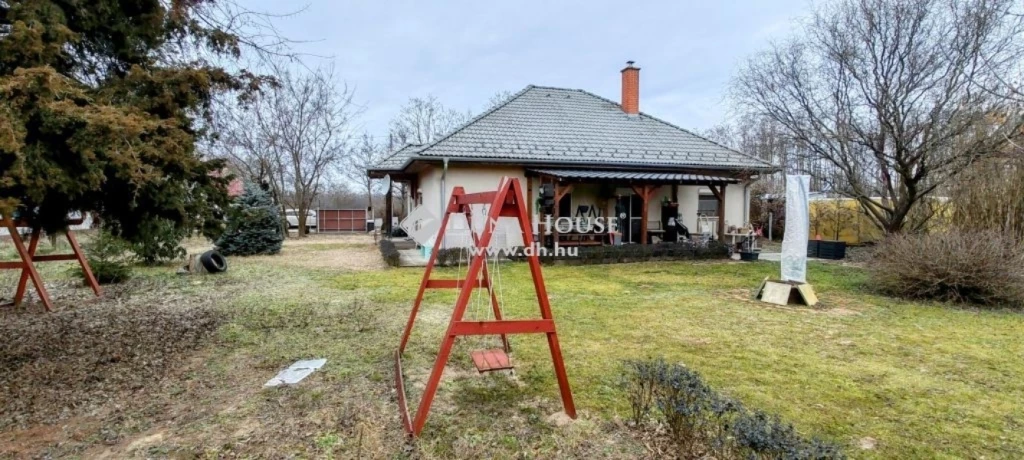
{"points": [[387, 180]]}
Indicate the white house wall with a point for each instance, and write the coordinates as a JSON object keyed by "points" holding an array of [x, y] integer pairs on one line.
{"points": [[735, 205], [472, 180], [689, 196], [482, 179]]}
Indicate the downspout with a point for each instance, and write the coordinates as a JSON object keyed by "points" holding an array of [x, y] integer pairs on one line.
{"points": [[444, 196], [746, 203]]}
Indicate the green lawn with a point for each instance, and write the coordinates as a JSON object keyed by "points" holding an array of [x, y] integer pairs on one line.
{"points": [[923, 380]]}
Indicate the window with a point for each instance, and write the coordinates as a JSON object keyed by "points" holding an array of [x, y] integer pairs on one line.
{"points": [[707, 205]]}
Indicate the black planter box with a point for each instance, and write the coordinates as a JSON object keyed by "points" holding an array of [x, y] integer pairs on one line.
{"points": [[748, 256], [812, 248], [825, 249]]}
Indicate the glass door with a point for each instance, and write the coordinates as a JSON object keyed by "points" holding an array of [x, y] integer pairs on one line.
{"points": [[631, 207]]}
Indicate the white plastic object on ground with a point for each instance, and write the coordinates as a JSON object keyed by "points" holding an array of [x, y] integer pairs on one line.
{"points": [[794, 243], [296, 372]]}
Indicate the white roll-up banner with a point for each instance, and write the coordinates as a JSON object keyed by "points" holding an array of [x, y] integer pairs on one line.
{"points": [[794, 244]]}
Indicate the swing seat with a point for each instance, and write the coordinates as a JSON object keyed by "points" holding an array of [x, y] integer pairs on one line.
{"points": [[494, 359]]}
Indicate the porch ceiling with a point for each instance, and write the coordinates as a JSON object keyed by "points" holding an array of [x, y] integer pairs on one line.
{"points": [[633, 176]]}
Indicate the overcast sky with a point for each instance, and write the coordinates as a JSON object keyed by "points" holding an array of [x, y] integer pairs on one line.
{"points": [[464, 52]]}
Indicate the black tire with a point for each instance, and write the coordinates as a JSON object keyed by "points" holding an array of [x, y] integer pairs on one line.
{"points": [[213, 262]]}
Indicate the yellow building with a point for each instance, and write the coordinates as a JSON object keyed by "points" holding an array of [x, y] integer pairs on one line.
{"points": [[843, 219]]}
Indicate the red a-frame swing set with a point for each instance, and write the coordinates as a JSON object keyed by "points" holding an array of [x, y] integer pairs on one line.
{"points": [[507, 201], [28, 258]]}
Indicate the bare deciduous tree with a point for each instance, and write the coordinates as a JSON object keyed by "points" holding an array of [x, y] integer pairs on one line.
{"points": [[338, 196], [766, 139], [295, 134], [888, 93], [366, 153], [498, 98], [424, 120]]}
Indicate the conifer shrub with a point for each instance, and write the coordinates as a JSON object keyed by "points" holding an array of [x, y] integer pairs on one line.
{"points": [[162, 242], [109, 257], [253, 227]]}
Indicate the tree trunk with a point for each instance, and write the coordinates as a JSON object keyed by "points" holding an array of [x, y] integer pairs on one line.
{"points": [[300, 214], [283, 219]]}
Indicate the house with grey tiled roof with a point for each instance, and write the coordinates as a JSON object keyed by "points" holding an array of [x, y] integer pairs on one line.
{"points": [[581, 155]]}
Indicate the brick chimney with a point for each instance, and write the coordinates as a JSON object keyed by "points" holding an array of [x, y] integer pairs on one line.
{"points": [[631, 89]]}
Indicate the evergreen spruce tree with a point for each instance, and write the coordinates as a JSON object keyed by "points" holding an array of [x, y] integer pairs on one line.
{"points": [[254, 225]]}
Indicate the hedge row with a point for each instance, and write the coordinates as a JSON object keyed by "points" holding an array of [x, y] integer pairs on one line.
{"points": [[699, 422], [389, 252]]}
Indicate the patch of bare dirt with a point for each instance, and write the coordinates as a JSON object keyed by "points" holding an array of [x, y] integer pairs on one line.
{"points": [[65, 376], [356, 252]]}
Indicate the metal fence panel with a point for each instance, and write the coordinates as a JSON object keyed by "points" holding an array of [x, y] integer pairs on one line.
{"points": [[341, 220]]}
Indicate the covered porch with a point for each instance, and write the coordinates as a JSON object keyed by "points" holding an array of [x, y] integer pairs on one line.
{"points": [[647, 207], [409, 196]]}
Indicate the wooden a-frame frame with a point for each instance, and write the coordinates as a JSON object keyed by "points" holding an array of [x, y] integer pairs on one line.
{"points": [[506, 201], [29, 258]]}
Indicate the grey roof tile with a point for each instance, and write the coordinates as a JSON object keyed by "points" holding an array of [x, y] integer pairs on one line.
{"points": [[632, 175], [398, 159], [542, 125]]}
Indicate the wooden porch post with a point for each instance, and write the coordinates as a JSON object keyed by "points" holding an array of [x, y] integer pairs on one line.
{"points": [[643, 219], [560, 193], [721, 213], [529, 200], [645, 192], [720, 196], [386, 228]]}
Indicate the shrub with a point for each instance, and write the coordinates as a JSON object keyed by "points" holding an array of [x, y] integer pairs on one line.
{"points": [[985, 268], [639, 380], [389, 252], [161, 243], [759, 433], [702, 423], [452, 257], [684, 402], [254, 225], [109, 258], [989, 195]]}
